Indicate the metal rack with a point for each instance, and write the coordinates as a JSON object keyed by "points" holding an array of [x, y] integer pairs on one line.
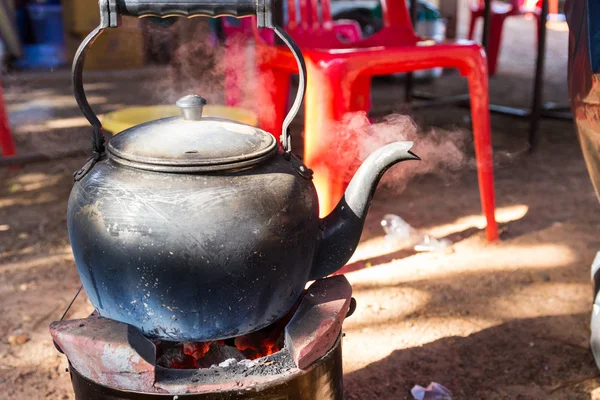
{"points": [[538, 109]]}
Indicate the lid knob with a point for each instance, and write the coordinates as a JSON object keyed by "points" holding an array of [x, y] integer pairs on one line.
{"points": [[191, 107]]}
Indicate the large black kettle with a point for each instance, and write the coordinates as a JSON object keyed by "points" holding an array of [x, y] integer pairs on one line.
{"points": [[195, 228]]}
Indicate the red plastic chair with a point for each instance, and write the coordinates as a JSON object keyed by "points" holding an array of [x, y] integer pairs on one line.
{"points": [[7, 145], [498, 13], [310, 29], [304, 27], [339, 82]]}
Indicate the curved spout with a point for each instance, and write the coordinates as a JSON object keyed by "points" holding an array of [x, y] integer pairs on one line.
{"points": [[343, 226]]}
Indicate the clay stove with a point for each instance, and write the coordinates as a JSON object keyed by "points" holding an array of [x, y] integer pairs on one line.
{"points": [[113, 360]]}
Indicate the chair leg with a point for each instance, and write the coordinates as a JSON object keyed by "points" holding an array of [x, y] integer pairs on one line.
{"points": [[480, 115], [361, 94], [493, 50], [538, 21], [327, 100], [7, 145], [472, 23]]}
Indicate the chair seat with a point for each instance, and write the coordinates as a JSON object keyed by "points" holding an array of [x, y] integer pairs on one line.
{"points": [[342, 31], [383, 60]]}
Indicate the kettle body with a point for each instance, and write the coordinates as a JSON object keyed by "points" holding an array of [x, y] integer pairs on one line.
{"points": [[194, 256]]}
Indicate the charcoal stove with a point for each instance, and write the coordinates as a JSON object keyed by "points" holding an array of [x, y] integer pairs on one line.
{"points": [[112, 360], [195, 237]]}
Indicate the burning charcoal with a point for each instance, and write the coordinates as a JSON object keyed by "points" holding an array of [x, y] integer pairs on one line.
{"points": [[196, 350], [199, 349], [218, 354], [266, 341], [175, 358], [259, 344]]}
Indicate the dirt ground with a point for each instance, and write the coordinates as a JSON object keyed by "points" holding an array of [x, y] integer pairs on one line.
{"points": [[493, 321]]}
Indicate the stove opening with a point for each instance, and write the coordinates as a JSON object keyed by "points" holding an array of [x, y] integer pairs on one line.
{"points": [[268, 341]]}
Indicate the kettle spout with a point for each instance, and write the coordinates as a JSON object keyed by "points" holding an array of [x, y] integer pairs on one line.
{"points": [[343, 227]]}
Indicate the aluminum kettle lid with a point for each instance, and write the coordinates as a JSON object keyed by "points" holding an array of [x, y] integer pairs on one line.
{"points": [[192, 143]]}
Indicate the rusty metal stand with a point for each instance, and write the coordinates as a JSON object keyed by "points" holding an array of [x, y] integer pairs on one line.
{"points": [[538, 109], [487, 10]]}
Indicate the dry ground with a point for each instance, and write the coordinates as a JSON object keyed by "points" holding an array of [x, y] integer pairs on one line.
{"points": [[491, 321]]}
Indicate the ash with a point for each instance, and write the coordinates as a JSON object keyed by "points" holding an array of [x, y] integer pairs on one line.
{"points": [[274, 364], [280, 363]]}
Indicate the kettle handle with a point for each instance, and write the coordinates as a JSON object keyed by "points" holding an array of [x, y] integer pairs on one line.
{"points": [[111, 10]]}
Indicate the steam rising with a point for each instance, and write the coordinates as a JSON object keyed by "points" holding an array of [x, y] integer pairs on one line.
{"points": [[200, 66], [194, 66], [442, 152]]}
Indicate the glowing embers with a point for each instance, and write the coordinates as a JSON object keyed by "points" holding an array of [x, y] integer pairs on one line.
{"points": [[197, 355]]}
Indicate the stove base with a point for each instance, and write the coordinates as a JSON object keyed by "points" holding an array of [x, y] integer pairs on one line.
{"points": [[322, 381]]}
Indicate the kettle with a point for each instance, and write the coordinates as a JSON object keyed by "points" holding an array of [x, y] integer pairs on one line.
{"points": [[195, 228]]}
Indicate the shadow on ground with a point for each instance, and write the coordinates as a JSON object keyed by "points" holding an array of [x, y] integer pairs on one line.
{"points": [[477, 366]]}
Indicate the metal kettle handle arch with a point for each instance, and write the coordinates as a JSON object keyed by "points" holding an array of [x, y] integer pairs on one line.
{"points": [[111, 10]]}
